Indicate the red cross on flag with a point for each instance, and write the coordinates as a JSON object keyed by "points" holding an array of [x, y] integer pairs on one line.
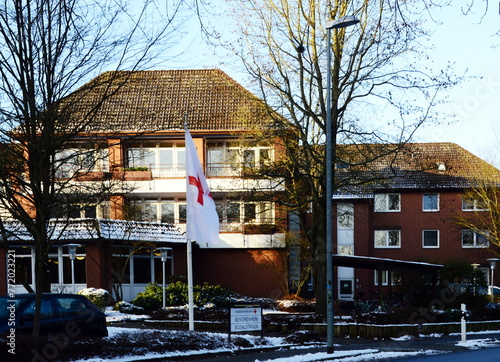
{"points": [[202, 222]]}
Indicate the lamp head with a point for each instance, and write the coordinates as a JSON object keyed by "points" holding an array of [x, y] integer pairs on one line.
{"points": [[493, 262], [342, 22]]}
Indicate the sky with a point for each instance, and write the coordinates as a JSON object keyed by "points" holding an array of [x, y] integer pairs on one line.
{"points": [[468, 41], [465, 40]]}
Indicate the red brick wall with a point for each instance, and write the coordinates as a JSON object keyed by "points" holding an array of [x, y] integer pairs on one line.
{"points": [[411, 220], [95, 267], [248, 272]]}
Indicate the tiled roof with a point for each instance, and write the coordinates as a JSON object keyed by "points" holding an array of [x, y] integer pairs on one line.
{"points": [[416, 165], [156, 100]]}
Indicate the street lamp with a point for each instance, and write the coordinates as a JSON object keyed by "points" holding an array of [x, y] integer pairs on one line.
{"points": [[342, 22], [72, 256], [493, 264], [164, 256]]}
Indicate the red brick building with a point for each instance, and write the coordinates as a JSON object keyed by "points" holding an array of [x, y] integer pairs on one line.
{"points": [[409, 208]]}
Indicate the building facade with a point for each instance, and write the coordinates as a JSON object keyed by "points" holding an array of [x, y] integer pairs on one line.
{"points": [[412, 207], [136, 140]]}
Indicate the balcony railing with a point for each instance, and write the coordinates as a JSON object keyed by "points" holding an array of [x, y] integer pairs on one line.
{"points": [[211, 170], [245, 228], [170, 170]]}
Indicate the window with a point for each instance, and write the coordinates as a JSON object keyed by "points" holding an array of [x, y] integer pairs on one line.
{"points": [[121, 264], [163, 159], [387, 238], [469, 204], [472, 239], [233, 213], [387, 202], [159, 210], [82, 159], [79, 266], [230, 158], [395, 277], [99, 210], [140, 265], [46, 311], [24, 265], [430, 238], [430, 202], [70, 306]]}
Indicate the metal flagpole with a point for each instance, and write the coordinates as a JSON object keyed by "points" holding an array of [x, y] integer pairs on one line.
{"points": [[190, 285], [189, 265]]}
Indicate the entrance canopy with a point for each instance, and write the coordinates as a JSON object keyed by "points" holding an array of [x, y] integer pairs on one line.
{"points": [[368, 262]]}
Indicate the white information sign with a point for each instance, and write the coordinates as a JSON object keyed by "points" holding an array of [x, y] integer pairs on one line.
{"points": [[246, 319]]}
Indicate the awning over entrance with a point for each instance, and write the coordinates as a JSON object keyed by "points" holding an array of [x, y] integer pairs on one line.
{"points": [[368, 262]]}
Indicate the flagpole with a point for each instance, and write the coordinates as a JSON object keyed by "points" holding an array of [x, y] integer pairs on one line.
{"points": [[190, 284], [189, 253], [202, 221]]}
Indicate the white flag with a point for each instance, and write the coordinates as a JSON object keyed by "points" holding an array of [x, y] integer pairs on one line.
{"points": [[202, 222]]}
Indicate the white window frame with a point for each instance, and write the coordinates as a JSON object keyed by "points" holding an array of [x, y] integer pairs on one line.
{"points": [[476, 235], [469, 205], [378, 234], [383, 204], [156, 204], [70, 161], [437, 196], [226, 158], [430, 246], [176, 169], [395, 277]]}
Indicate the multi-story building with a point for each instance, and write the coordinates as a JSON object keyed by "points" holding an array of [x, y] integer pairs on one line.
{"points": [[408, 206], [139, 131]]}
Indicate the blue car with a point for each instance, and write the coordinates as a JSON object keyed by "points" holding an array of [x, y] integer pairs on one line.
{"points": [[70, 314]]}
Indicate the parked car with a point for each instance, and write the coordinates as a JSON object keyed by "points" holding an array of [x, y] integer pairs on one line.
{"points": [[71, 314]]}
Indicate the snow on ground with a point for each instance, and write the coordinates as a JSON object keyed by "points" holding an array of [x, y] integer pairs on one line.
{"points": [[272, 342], [113, 316]]}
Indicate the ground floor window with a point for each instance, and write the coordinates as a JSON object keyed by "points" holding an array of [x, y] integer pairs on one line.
{"points": [[395, 277], [59, 264], [140, 265]]}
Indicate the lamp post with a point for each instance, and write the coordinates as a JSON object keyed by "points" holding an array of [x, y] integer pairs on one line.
{"points": [[164, 256], [493, 264], [342, 22], [72, 256]]}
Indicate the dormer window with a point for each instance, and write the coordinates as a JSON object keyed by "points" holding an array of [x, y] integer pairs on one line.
{"points": [[441, 166], [342, 165]]}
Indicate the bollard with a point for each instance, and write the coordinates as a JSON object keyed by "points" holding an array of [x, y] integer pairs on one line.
{"points": [[463, 328]]}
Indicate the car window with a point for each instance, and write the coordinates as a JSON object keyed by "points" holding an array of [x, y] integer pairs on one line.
{"points": [[46, 310], [69, 306], [6, 305]]}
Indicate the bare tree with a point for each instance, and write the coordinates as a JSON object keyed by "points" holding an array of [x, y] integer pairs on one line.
{"points": [[481, 203], [382, 88], [48, 49]]}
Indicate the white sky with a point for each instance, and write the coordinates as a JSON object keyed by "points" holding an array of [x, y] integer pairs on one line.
{"points": [[468, 40]]}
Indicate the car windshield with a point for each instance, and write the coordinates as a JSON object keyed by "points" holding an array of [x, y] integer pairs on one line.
{"points": [[7, 305]]}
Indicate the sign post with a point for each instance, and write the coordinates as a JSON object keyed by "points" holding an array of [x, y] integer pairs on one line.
{"points": [[245, 318]]}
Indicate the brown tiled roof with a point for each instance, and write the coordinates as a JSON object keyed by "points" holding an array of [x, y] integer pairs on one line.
{"points": [[415, 165], [157, 100]]}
